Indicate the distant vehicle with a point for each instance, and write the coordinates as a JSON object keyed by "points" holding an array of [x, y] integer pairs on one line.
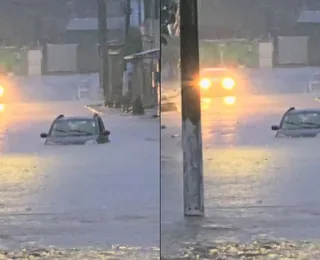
{"points": [[3, 83], [76, 131], [217, 82], [2, 93], [299, 123]]}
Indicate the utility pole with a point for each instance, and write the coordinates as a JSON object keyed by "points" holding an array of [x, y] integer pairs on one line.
{"points": [[103, 50], [128, 12], [153, 5], [191, 110]]}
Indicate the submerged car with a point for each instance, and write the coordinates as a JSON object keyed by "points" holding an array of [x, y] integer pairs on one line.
{"points": [[76, 131], [3, 95], [217, 82], [297, 123]]}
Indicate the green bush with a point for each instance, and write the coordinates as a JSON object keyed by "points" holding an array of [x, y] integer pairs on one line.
{"points": [[8, 59], [234, 53]]}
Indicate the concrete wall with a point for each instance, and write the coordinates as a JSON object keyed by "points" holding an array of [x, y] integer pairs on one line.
{"points": [[34, 60], [62, 58], [265, 54], [292, 50]]}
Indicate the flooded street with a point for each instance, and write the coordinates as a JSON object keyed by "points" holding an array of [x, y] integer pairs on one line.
{"points": [[256, 187], [100, 200]]}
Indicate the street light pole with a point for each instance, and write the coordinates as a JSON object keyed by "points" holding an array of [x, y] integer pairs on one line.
{"points": [[103, 49], [191, 110]]}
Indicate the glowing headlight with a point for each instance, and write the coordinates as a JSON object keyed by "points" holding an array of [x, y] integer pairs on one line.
{"points": [[1, 90], [228, 83], [91, 142], [205, 83]]}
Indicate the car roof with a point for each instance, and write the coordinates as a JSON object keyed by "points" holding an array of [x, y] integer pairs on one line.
{"points": [[305, 110], [66, 118], [215, 69]]}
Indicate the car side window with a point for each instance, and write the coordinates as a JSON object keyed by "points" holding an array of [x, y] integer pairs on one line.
{"points": [[285, 115], [101, 126]]}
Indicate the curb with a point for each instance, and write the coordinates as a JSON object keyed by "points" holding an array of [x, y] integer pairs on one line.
{"points": [[169, 107], [165, 95], [94, 111]]}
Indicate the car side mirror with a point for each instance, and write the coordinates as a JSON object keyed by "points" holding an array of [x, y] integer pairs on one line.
{"points": [[43, 135], [107, 133], [275, 128]]}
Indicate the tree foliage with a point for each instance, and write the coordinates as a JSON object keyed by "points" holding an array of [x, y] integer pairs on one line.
{"points": [[249, 18], [25, 22]]}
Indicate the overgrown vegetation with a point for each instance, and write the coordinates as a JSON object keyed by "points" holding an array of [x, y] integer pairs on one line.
{"points": [[249, 18]]}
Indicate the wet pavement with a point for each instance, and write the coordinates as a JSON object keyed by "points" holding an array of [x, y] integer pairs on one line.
{"points": [[256, 187], [102, 199]]}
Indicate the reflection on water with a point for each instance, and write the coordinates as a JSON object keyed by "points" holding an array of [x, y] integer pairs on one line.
{"points": [[21, 176], [254, 185], [2, 107], [236, 176], [220, 118], [206, 103], [58, 195], [247, 162], [206, 100], [18, 169], [229, 100]]}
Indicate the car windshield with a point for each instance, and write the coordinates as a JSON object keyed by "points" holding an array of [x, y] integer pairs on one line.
{"points": [[302, 120], [216, 73], [74, 127]]}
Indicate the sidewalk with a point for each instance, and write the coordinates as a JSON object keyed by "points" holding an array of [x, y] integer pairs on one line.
{"points": [[170, 91], [100, 109]]}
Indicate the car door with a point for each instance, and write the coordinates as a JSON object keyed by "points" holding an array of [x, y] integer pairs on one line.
{"points": [[101, 138]]}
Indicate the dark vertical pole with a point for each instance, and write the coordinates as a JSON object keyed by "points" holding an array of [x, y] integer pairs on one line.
{"points": [[139, 12], [127, 65], [268, 22], [128, 17], [44, 62], [37, 31], [103, 47], [191, 110]]}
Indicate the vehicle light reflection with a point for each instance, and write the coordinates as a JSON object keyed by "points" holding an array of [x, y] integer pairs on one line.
{"points": [[230, 100], [18, 170], [1, 90], [241, 172], [2, 107], [206, 103]]}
